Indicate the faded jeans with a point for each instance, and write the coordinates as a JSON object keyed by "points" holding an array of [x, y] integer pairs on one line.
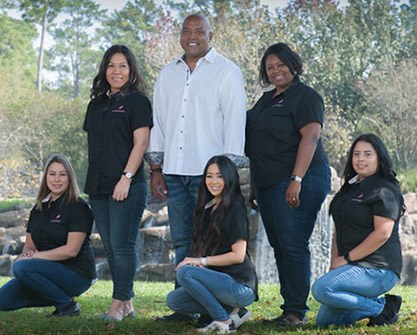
{"points": [[205, 291], [350, 293]]}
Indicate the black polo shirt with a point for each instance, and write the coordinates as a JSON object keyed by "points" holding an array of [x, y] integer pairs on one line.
{"points": [[353, 213], [234, 227], [50, 226], [273, 131], [110, 123]]}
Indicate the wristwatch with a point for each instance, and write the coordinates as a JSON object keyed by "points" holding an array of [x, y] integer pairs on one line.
{"points": [[203, 261], [127, 174], [296, 178]]}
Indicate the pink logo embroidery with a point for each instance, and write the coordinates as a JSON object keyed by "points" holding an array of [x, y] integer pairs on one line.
{"points": [[279, 103], [57, 219], [118, 110]]}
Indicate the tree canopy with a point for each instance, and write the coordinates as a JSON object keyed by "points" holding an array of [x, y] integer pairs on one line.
{"points": [[361, 57]]}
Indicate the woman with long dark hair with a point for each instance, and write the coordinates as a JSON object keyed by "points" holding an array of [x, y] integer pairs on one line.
{"points": [[218, 279], [118, 121], [366, 252], [57, 261]]}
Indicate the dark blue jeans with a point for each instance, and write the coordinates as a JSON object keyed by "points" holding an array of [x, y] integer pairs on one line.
{"points": [[182, 199], [118, 225], [40, 283], [289, 231]]}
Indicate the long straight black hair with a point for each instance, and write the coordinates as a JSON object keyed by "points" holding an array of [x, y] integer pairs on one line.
{"points": [[206, 237]]}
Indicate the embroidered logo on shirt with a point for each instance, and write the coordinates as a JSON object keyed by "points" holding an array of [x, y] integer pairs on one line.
{"points": [[119, 110], [57, 219], [280, 103], [358, 198]]}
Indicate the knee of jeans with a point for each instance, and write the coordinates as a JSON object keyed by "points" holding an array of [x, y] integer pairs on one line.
{"points": [[21, 268], [319, 290], [183, 274]]}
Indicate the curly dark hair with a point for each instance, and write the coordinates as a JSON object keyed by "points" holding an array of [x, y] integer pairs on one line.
{"points": [[289, 57], [101, 86], [207, 237]]}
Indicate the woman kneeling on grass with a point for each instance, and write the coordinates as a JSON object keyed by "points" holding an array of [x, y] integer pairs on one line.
{"points": [[366, 252], [219, 279], [57, 262]]}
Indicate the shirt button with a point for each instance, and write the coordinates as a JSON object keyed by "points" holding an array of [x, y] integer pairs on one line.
{"points": [[182, 116], [185, 99], [180, 148]]}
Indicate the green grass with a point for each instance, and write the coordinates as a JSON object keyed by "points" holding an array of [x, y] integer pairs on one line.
{"points": [[150, 303], [17, 203]]}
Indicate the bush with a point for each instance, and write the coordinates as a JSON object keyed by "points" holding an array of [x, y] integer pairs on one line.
{"points": [[408, 180]]}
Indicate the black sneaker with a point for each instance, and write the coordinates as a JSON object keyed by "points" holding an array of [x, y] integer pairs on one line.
{"points": [[177, 317], [203, 321], [389, 314], [72, 309]]}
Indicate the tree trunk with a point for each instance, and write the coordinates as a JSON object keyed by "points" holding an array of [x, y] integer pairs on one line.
{"points": [[41, 51]]}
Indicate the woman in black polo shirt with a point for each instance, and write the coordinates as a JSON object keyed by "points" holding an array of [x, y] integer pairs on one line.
{"points": [[219, 279], [290, 175], [57, 262], [366, 252], [118, 120]]}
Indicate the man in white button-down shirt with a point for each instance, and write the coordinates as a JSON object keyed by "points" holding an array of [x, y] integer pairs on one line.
{"points": [[199, 111]]}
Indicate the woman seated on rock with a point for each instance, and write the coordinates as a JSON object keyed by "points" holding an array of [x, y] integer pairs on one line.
{"points": [[57, 262], [219, 279], [366, 252]]}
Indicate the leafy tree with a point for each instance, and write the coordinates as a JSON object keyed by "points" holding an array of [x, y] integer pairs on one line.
{"points": [[130, 26], [16, 51], [391, 98], [42, 12], [74, 59]]}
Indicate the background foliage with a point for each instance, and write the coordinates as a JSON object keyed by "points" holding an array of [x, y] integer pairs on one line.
{"points": [[362, 57]]}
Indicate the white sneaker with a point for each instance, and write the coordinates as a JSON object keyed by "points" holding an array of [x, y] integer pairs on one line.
{"points": [[240, 316], [218, 328]]}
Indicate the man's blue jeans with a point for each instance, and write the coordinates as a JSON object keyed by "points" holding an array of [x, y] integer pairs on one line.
{"points": [[118, 224], [40, 283], [289, 231], [181, 201], [206, 291], [350, 293]]}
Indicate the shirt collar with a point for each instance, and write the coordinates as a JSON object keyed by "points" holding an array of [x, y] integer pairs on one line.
{"points": [[210, 56], [56, 202], [368, 183], [210, 204]]}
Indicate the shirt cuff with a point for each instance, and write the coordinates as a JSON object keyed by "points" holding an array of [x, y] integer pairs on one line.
{"points": [[154, 157], [239, 161]]}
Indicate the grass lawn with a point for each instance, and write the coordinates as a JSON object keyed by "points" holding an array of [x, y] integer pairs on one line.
{"points": [[150, 303]]}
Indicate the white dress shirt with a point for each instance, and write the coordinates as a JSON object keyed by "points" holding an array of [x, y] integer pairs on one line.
{"points": [[197, 114]]}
